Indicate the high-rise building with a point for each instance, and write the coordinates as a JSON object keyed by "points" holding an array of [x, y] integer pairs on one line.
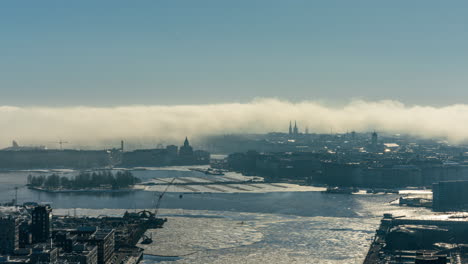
{"points": [[41, 223], [105, 242], [9, 234], [374, 139]]}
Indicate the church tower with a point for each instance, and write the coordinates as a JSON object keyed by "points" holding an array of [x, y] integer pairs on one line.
{"points": [[290, 128], [374, 139], [296, 130], [186, 150]]}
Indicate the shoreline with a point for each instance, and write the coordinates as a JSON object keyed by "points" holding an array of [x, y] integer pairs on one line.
{"points": [[81, 190]]}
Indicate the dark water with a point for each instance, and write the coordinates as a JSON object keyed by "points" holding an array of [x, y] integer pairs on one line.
{"points": [[309, 227], [295, 203], [156, 259]]}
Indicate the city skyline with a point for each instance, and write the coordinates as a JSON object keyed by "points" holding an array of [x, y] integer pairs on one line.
{"points": [[156, 124]]}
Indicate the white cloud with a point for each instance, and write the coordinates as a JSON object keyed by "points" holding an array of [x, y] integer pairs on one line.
{"points": [[92, 125]]}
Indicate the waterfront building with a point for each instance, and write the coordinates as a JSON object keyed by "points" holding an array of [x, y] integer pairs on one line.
{"points": [[186, 150], [44, 158], [169, 156], [450, 195], [172, 150]]}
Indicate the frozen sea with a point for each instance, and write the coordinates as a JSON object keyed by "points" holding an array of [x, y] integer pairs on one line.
{"points": [[289, 224]]}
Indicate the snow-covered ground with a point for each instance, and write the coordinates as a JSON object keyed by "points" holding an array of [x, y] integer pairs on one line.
{"points": [[231, 188]]}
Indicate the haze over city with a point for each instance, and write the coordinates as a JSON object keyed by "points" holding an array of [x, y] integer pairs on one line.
{"points": [[88, 126]]}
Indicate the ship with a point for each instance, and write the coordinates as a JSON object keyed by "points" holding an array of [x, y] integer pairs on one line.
{"points": [[341, 190], [209, 171]]}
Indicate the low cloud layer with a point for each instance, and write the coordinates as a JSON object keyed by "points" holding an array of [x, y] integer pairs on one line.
{"points": [[90, 126]]}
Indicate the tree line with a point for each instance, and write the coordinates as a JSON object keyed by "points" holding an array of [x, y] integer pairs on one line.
{"points": [[120, 179]]}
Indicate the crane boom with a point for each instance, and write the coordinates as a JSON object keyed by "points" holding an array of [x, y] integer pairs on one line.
{"points": [[161, 196]]}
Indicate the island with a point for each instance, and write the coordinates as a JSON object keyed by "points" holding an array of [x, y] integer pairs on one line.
{"points": [[84, 181]]}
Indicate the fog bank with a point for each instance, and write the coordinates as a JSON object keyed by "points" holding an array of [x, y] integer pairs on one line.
{"points": [[90, 126]]}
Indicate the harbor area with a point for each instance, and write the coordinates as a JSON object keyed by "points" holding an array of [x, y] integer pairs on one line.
{"points": [[425, 239], [202, 236], [32, 234]]}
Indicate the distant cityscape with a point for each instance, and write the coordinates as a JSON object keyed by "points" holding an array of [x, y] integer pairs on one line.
{"points": [[340, 163], [18, 157]]}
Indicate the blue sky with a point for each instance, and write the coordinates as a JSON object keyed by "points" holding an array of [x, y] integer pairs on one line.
{"points": [[106, 53]]}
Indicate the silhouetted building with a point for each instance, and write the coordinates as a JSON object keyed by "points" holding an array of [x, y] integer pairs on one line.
{"points": [[25, 236], [147, 158], [186, 150], [42, 158], [9, 234], [374, 140], [41, 223], [450, 195], [172, 150], [169, 156]]}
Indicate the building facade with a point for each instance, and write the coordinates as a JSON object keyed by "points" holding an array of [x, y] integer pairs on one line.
{"points": [[41, 223], [450, 195], [9, 235]]}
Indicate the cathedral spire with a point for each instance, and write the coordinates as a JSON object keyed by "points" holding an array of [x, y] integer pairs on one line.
{"points": [[290, 128], [296, 130]]}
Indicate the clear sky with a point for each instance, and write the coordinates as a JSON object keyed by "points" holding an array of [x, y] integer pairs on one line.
{"points": [[105, 53]]}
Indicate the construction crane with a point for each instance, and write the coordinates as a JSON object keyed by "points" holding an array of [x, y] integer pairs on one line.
{"points": [[60, 142], [161, 196]]}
